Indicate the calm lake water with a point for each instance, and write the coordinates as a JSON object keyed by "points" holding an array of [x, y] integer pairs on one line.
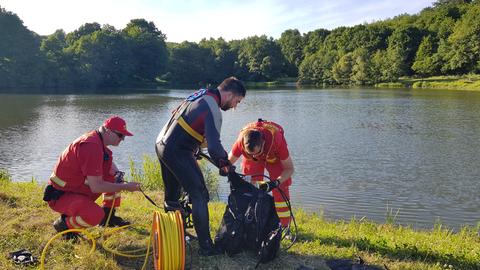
{"points": [[357, 152]]}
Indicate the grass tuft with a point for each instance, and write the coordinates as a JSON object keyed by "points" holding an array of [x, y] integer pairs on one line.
{"points": [[5, 175]]}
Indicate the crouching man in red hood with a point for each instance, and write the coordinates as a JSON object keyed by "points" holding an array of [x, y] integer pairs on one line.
{"points": [[263, 146]]}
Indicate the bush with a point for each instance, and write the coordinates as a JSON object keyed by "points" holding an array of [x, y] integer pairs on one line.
{"points": [[5, 176], [150, 175]]}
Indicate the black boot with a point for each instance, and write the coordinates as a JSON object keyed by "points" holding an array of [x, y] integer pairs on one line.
{"points": [[114, 220], [209, 249], [60, 225]]}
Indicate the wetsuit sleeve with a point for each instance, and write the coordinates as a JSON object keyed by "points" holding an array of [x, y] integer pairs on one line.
{"points": [[213, 124], [281, 147], [90, 158]]}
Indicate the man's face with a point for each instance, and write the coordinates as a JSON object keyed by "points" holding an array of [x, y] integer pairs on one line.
{"points": [[231, 101], [116, 137], [257, 150]]}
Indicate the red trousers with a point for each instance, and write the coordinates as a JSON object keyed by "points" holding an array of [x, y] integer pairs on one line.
{"points": [[253, 168], [81, 209]]}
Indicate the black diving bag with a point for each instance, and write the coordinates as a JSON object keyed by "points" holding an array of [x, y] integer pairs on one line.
{"points": [[250, 222]]}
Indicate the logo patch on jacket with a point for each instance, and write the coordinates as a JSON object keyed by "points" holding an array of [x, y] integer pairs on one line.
{"points": [[196, 95]]}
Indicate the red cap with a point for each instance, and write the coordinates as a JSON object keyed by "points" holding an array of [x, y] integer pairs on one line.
{"points": [[116, 123]]}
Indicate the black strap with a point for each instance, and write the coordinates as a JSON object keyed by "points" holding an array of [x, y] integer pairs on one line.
{"points": [[105, 155], [149, 199]]}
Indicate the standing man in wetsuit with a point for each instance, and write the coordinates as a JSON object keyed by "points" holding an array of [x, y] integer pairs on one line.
{"points": [[196, 120]]}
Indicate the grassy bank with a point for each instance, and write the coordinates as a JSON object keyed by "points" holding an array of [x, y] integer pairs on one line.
{"points": [[27, 224], [463, 82]]}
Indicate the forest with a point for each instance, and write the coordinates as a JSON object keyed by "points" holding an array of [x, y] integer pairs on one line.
{"points": [[440, 40]]}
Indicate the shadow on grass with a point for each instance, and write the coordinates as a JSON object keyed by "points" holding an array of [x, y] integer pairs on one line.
{"points": [[248, 260], [404, 252]]}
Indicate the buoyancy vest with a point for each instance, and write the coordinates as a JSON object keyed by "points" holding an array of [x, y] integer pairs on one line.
{"points": [[177, 117], [269, 130], [67, 174]]}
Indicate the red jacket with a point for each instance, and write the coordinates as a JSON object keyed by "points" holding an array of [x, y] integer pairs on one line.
{"points": [[85, 156]]}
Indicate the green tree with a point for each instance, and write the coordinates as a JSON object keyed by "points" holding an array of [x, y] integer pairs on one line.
{"points": [[316, 69], [463, 55], [58, 67], [361, 70], [342, 70], [314, 41], [224, 58], [101, 59], [440, 3], [20, 62], [291, 44], [261, 57], [83, 30], [148, 49], [190, 64], [402, 46], [380, 68], [426, 63]]}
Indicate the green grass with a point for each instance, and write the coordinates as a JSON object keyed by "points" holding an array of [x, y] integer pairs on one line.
{"points": [[27, 224], [150, 176], [391, 85], [461, 82]]}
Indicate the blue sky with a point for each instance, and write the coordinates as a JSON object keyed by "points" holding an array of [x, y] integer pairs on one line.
{"points": [[193, 20]]}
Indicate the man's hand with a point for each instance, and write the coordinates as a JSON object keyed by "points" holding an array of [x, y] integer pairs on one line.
{"points": [[119, 177], [268, 186], [226, 170], [131, 186], [225, 167]]}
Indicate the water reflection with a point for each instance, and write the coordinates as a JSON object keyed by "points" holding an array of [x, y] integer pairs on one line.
{"points": [[356, 151]]}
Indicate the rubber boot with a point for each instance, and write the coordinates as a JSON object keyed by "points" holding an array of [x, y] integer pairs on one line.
{"points": [[114, 220], [208, 249], [60, 225]]}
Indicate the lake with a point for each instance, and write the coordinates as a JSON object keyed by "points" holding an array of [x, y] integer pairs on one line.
{"points": [[357, 152]]}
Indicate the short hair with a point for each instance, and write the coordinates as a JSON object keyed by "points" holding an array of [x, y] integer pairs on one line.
{"points": [[233, 85], [251, 139]]}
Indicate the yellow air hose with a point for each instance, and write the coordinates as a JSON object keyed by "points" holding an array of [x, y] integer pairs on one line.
{"points": [[168, 240], [167, 235]]}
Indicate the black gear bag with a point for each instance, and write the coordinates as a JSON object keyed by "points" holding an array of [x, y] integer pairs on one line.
{"points": [[250, 221]]}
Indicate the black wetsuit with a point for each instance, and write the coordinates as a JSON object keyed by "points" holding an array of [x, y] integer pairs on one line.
{"points": [[196, 119]]}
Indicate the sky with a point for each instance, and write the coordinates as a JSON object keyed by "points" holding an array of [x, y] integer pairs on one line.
{"points": [[193, 20]]}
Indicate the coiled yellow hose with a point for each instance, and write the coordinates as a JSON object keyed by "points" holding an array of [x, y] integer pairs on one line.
{"points": [[168, 240], [167, 235]]}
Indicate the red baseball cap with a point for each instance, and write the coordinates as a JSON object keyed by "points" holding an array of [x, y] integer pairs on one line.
{"points": [[116, 123]]}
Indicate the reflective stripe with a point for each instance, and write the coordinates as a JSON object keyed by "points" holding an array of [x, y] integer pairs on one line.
{"points": [[81, 222], [280, 204], [283, 214], [57, 180], [189, 129], [73, 223], [111, 197]]}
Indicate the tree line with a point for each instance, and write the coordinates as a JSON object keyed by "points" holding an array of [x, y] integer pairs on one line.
{"points": [[443, 39]]}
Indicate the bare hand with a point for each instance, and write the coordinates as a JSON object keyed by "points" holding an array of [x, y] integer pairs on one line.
{"points": [[132, 186]]}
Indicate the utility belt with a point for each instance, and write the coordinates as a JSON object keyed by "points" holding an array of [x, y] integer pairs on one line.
{"points": [[52, 194]]}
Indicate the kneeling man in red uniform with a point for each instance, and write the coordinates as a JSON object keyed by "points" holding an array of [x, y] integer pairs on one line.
{"points": [[263, 146], [83, 172]]}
